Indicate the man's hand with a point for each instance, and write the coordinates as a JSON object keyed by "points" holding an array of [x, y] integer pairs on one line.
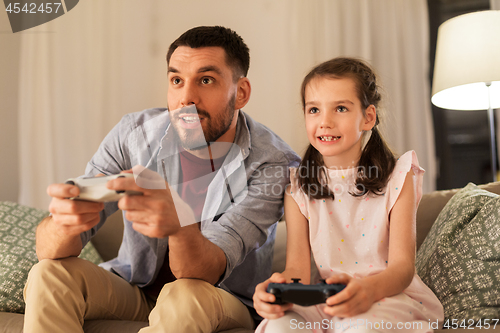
{"points": [[58, 236], [153, 214], [72, 217]]}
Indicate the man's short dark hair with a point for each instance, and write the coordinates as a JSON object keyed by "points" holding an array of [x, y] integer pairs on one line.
{"points": [[237, 52]]}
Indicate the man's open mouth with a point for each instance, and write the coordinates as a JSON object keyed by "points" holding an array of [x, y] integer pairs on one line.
{"points": [[190, 119]]}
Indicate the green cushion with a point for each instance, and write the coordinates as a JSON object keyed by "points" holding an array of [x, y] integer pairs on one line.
{"points": [[17, 252], [460, 258]]}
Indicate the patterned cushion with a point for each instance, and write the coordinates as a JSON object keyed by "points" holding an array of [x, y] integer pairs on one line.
{"points": [[460, 259], [17, 252]]}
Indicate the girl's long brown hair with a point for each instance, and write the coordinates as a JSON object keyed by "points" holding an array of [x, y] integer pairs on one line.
{"points": [[375, 155]]}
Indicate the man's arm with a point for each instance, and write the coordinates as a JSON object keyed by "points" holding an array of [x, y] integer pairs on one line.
{"points": [[58, 236], [50, 244], [245, 227], [210, 254], [190, 252], [156, 214]]}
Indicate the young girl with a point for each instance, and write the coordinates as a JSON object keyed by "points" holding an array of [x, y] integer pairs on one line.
{"points": [[355, 208]]}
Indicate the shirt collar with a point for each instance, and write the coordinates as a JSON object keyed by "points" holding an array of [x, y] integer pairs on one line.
{"points": [[242, 137]]}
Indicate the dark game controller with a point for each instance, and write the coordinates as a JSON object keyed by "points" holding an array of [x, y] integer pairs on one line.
{"points": [[304, 295]]}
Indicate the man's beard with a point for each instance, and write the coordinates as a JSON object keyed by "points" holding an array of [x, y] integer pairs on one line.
{"points": [[214, 128]]}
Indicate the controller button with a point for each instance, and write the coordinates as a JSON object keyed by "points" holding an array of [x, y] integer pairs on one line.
{"points": [[70, 182]]}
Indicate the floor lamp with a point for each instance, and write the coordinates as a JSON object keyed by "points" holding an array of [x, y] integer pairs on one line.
{"points": [[467, 67]]}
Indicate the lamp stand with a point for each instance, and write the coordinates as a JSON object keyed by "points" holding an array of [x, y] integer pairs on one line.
{"points": [[491, 120]]}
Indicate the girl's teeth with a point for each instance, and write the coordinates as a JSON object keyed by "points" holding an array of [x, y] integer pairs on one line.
{"points": [[329, 138]]}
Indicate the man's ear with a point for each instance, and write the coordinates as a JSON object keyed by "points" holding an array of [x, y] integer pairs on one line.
{"points": [[242, 93], [370, 118]]}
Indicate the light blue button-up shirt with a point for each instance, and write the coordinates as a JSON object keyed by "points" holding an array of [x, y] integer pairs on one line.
{"points": [[241, 220]]}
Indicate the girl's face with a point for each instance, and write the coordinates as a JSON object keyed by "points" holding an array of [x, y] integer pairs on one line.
{"points": [[335, 122]]}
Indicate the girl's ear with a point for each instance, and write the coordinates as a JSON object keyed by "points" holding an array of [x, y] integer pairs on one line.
{"points": [[370, 118], [242, 93]]}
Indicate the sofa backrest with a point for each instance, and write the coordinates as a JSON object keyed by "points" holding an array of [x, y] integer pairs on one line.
{"points": [[108, 239], [432, 204]]}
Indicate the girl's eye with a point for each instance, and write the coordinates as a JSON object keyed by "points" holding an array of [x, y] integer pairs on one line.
{"points": [[341, 108], [207, 80], [313, 110], [176, 80]]}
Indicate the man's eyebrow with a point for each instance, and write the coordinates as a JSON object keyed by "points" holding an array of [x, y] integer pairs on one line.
{"points": [[172, 70], [210, 69], [201, 70]]}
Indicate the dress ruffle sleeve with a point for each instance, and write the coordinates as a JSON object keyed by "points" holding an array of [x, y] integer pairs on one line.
{"points": [[408, 161]]}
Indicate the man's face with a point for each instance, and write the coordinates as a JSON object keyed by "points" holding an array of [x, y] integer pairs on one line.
{"points": [[201, 77]]}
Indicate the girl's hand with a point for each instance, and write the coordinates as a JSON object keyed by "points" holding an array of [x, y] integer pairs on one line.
{"points": [[262, 299], [356, 298]]}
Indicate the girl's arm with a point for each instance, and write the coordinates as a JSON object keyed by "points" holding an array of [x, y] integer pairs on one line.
{"points": [[298, 261], [360, 294], [298, 248]]}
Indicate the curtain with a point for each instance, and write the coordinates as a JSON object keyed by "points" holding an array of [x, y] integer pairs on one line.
{"points": [[77, 79], [80, 73]]}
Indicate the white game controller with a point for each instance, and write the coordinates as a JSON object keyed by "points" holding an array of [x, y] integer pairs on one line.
{"points": [[94, 189]]}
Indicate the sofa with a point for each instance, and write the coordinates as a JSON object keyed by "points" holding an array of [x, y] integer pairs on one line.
{"points": [[465, 278]]}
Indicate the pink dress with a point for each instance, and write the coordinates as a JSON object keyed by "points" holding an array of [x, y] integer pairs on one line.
{"points": [[351, 235]]}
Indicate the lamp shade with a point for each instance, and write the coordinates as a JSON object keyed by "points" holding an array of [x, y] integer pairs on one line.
{"points": [[468, 57]]}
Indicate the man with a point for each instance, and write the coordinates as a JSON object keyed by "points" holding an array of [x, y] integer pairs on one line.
{"points": [[199, 277]]}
